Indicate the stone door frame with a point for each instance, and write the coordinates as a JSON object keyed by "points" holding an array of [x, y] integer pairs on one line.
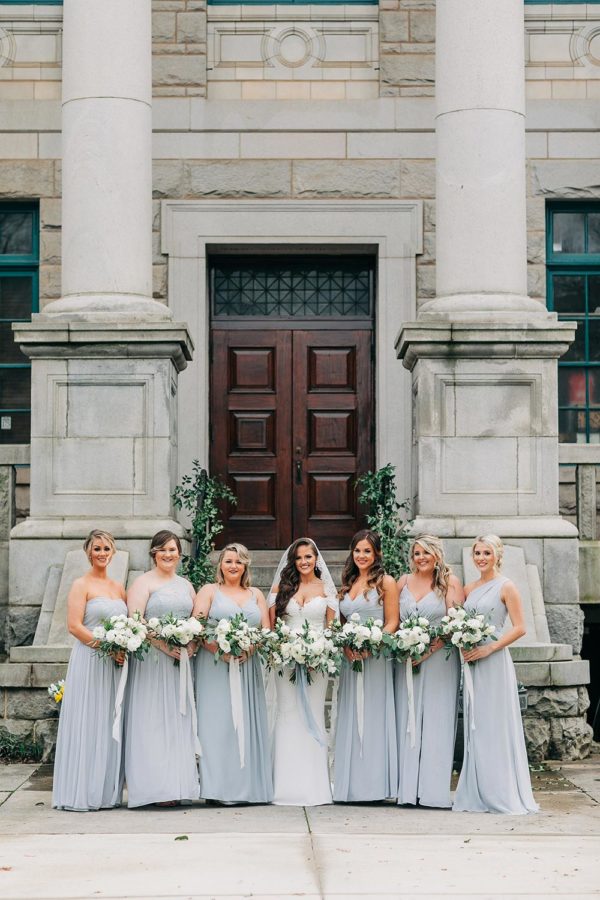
{"points": [[393, 229]]}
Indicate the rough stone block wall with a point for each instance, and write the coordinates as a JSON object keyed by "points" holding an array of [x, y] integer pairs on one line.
{"points": [[407, 48], [555, 725], [179, 48]]}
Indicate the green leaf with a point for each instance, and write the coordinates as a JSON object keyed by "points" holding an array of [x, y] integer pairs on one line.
{"points": [[182, 837]]}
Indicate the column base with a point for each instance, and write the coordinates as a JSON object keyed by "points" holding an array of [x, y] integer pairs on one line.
{"points": [[107, 308], [485, 307]]}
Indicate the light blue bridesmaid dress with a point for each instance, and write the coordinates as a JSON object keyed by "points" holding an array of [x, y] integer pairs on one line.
{"points": [[160, 760], [495, 773], [424, 771], [365, 770], [222, 776], [88, 770]]}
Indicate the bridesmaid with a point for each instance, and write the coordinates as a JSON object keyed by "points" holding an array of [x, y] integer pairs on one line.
{"points": [[160, 762], [425, 769], [88, 771], [366, 769], [495, 773], [232, 769]]}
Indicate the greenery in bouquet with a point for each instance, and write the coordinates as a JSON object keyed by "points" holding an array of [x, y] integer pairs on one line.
{"points": [[234, 637], [361, 637], [412, 640], [312, 648], [465, 630], [122, 634]]}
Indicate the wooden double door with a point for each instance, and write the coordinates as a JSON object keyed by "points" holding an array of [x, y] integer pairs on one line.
{"points": [[291, 428]]}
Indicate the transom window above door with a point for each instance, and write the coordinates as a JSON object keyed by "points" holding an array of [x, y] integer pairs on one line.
{"points": [[288, 288]]}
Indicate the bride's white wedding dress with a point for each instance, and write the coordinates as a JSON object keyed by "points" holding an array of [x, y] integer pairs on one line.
{"points": [[300, 766]]}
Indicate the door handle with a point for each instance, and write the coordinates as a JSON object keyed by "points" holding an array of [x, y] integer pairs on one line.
{"points": [[298, 472]]}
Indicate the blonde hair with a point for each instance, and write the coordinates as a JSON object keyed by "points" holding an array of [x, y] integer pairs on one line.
{"points": [[441, 570], [98, 535], [244, 558], [495, 543]]}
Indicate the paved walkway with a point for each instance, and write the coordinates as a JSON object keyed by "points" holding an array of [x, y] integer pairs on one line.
{"points": [[279, 852]]}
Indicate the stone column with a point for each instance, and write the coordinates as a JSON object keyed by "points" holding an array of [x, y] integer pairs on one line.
{"points": [[107, 162], [105, 357], [483, 354], [480, 173]]}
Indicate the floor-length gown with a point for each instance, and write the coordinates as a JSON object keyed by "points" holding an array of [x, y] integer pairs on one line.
{"points": [[424, 771], [222, 776], [160, 760], [365, 769], [300, 763], [495, 772], [88, 770]]}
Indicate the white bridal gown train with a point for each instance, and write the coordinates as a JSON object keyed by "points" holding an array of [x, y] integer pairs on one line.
{"points": [[300, 765]]}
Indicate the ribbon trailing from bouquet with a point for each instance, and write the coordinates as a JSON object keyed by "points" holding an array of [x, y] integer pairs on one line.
{"points": [[116, 729], [309, 719], [237, 709], [186, 693], [411, 726], [360, 706], [468, 692]]}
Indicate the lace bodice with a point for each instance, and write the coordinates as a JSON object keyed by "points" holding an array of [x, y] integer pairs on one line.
{"points": [[313, 612]]}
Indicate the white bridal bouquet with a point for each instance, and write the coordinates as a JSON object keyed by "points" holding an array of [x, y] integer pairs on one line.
{"points": [[412, 640], [465, 630], [312, 648], [122, 634], [359, 636], [233, 636], [176, 632]]}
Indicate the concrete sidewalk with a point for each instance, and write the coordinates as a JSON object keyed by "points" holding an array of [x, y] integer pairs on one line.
{"points": [[279, 852]]}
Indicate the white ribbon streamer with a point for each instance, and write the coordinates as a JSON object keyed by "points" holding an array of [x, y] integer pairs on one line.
{"points": [[360, 707], [469, 690], [186, 693], [116, 729], [237, 710], [411, 727]]}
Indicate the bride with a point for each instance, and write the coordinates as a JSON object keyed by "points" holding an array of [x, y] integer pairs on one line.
{"points": [[302, 590]]}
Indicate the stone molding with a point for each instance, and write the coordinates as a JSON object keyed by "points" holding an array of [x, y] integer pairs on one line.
{"points": [[391, 228]]}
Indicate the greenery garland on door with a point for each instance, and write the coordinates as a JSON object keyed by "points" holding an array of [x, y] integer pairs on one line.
{"points": [[199, 495], [387, 516]]}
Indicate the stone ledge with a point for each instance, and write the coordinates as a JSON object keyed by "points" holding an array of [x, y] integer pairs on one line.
{"points": [[45, 654], [43, 674], [526, 653], [15, 675], [559, 674]]}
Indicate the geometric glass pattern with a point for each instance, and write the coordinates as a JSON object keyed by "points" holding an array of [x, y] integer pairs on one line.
{"points": [[292, 287], [573, 292]]}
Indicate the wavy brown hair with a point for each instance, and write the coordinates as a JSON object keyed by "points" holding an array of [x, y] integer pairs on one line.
{"points": [[441, 571], [376, 572], [289, 581], [160, 539]]}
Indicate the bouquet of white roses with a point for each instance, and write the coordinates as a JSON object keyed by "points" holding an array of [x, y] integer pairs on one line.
{"points": [[359, 636], [56, 690], [312, 648], [234, 636], [465, 630], [411, 641], [176, 632], [122, 634]]}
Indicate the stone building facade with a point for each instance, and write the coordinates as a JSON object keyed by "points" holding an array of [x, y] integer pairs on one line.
{"points": [[193, 142]]}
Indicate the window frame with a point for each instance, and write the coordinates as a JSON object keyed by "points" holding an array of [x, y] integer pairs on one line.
{"points": [[26, 265], [585, 264]]}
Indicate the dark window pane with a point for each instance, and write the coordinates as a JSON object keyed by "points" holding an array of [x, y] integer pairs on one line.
{"points": [[16, 234], [15, 428], [594, 426], [594, 233], [572, 425], [572, 386], [594, 386], [568, 232], [594, 338], [594, 294], [16, 298], [576, 352], [569, 293], [285, 287], [15, 388], [9, 351]]}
